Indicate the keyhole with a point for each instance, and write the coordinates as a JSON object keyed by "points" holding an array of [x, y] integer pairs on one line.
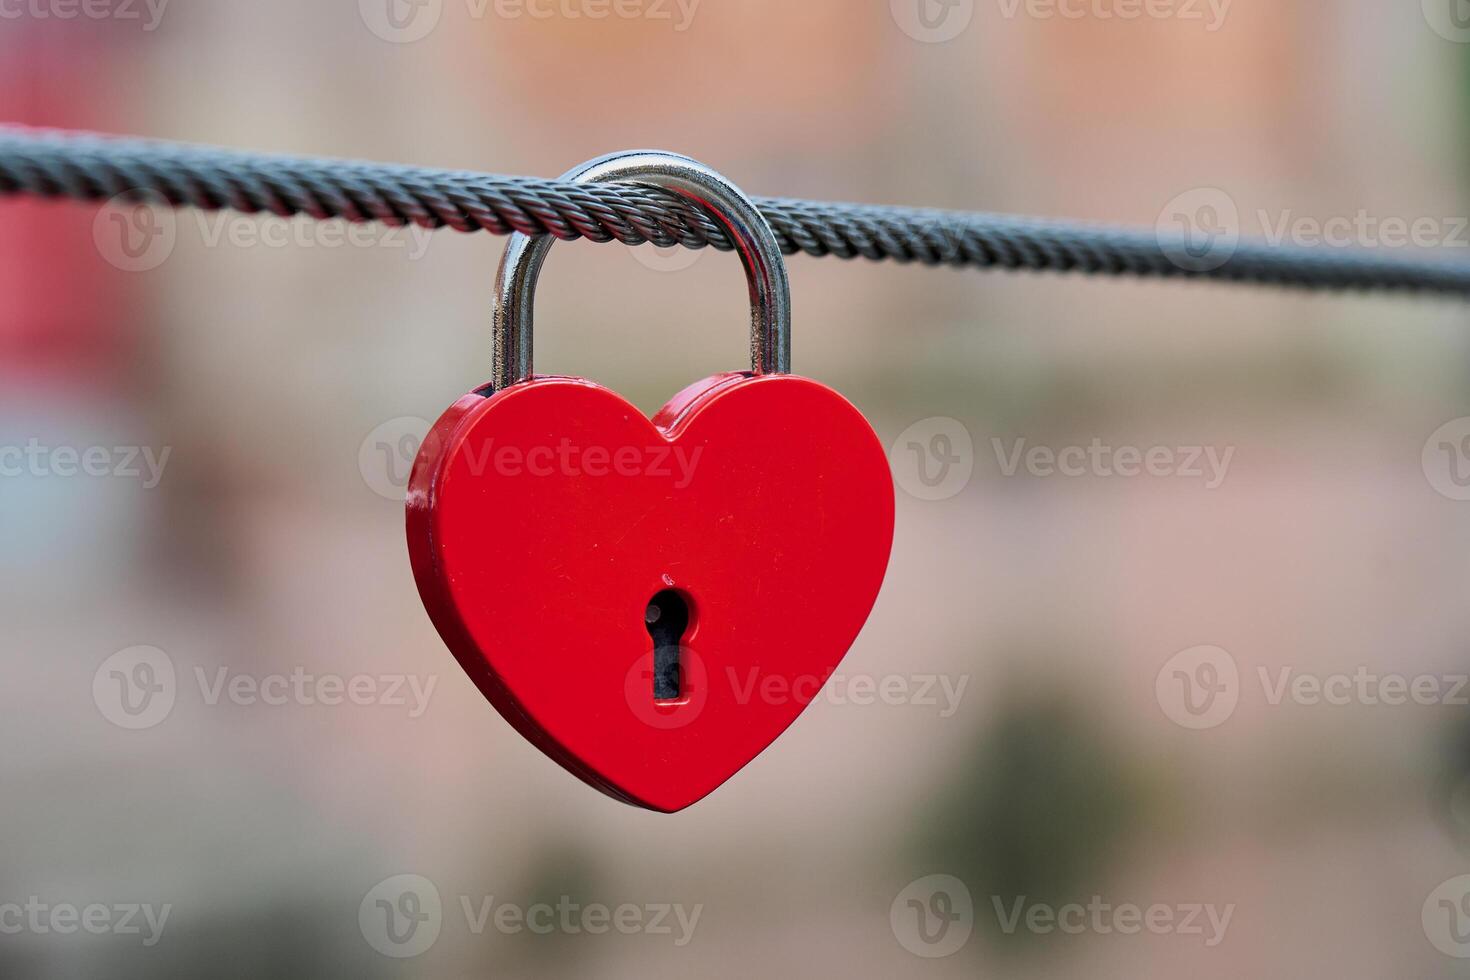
{"points": [[667, 617]]}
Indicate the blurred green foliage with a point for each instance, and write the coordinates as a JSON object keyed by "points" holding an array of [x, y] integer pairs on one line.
{"points": [[1043, 808]]}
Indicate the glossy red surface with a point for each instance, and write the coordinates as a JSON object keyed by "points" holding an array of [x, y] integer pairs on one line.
{"points": [[542, 520]]}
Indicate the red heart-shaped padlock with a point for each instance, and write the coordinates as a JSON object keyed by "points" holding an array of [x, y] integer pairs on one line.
{"points": [[543, 520], [651, 603]]}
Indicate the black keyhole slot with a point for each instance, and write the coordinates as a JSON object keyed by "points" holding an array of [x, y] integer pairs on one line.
{"points": [[667, 617]]}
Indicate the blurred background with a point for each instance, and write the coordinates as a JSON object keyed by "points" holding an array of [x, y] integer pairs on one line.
{"points": [[1099, 686]]}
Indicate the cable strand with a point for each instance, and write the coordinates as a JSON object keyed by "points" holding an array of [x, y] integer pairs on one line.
{"points": [[88, 167]]}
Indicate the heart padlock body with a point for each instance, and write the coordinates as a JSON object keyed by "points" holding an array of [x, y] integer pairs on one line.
{"points": [[543, 518]]}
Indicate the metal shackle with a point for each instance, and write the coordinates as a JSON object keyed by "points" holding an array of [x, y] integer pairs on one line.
{"points": [[765, 268]]}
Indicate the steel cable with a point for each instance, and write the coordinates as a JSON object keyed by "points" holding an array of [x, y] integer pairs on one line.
{"points": [[83, 166]]}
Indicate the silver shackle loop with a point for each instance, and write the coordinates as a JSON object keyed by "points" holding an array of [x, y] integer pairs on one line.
{"points": [[765, 269]]}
